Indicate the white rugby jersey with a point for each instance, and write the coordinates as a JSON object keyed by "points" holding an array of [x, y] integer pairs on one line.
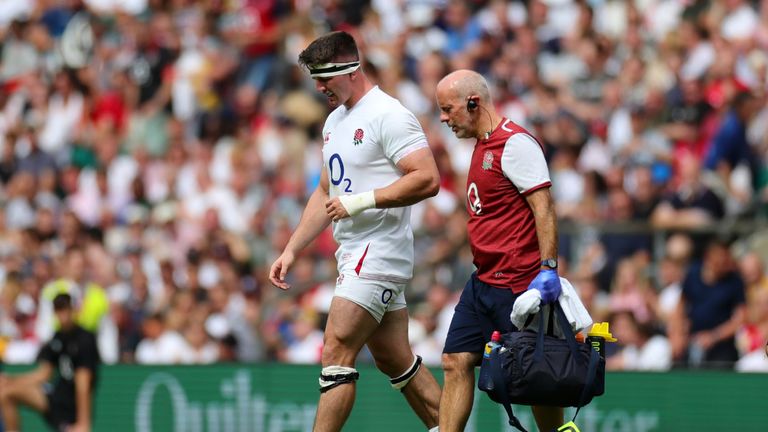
{"points": [[361, 149]]}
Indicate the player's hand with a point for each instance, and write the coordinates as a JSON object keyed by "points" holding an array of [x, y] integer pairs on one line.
{"points": [[279, 269], [335, 209], [548, 283]]}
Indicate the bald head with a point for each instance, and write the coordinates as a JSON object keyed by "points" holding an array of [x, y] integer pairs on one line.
{"points": [[465, 104], [464, 83]]}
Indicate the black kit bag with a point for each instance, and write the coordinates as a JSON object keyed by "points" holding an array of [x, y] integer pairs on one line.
{"points": [[535, 368]]}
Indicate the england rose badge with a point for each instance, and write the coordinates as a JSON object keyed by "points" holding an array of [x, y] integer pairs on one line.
{"points": [[359, 135], [487, 160]]}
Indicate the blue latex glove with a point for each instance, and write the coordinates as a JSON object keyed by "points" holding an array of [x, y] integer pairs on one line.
{"points": [[548, 283]]}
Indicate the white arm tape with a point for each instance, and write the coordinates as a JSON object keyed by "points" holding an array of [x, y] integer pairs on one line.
{"points": [[356, 203]]}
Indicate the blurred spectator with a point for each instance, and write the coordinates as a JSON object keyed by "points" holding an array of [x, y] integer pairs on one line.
{"points": [[632, 292], [730, 155], [669, 277], [463, 31], [624, 243], [65, 109], [199, 348], [159, 345], [307, 345], [88, 297], [255, 27], [687, 116], [432, 320], [700, 54], [644, 190], [595, 300], [751, 338], [35, 161], [645, 145], [740, 21], [641, 349], [692, 204], [710, 311]]}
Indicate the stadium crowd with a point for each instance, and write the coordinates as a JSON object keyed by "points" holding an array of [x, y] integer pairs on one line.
{"points": [[156, 154]]}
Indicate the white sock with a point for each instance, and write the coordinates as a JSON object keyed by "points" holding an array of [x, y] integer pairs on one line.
{"points": [[434, 429]]}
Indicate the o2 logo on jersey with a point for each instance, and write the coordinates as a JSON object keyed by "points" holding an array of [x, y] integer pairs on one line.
{"points": [[473, 197], [336, 166]]}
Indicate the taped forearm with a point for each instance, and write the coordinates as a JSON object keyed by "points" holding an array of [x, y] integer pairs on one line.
{"points": [[357, 203]]}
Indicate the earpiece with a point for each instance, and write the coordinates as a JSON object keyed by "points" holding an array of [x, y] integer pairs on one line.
{"points": [[471, 104]]}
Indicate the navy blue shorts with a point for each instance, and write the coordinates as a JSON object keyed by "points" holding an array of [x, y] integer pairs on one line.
{"points": [[482, 309]]}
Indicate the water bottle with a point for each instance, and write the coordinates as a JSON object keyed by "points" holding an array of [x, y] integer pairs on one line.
{"points": [[597, 337], [485, 382], [696, 355]]}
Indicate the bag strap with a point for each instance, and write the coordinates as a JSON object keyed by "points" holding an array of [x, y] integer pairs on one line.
{"points": [[538, 352], [555, 311], [551, 320], [594, 358], [565, 327], [500, 388]]}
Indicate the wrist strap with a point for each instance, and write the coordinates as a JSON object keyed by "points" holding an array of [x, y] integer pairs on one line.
{"points": [[356, 203]]}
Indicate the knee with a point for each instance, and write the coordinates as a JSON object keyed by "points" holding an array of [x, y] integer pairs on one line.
{"points": [[383, 364], [457, 364], [390, 364], [337, 353]]}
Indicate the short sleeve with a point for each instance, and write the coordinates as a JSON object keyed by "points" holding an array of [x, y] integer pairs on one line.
{"points": [[688, 288], [523, 163], [401, 134], [46, 354], [721, 145], [87, 354], [740, 296]]}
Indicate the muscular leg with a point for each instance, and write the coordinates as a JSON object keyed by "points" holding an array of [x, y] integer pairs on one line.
{"points": [[15, 391], [391, 350], [349, 326], [547, 418], [458, 390]]}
